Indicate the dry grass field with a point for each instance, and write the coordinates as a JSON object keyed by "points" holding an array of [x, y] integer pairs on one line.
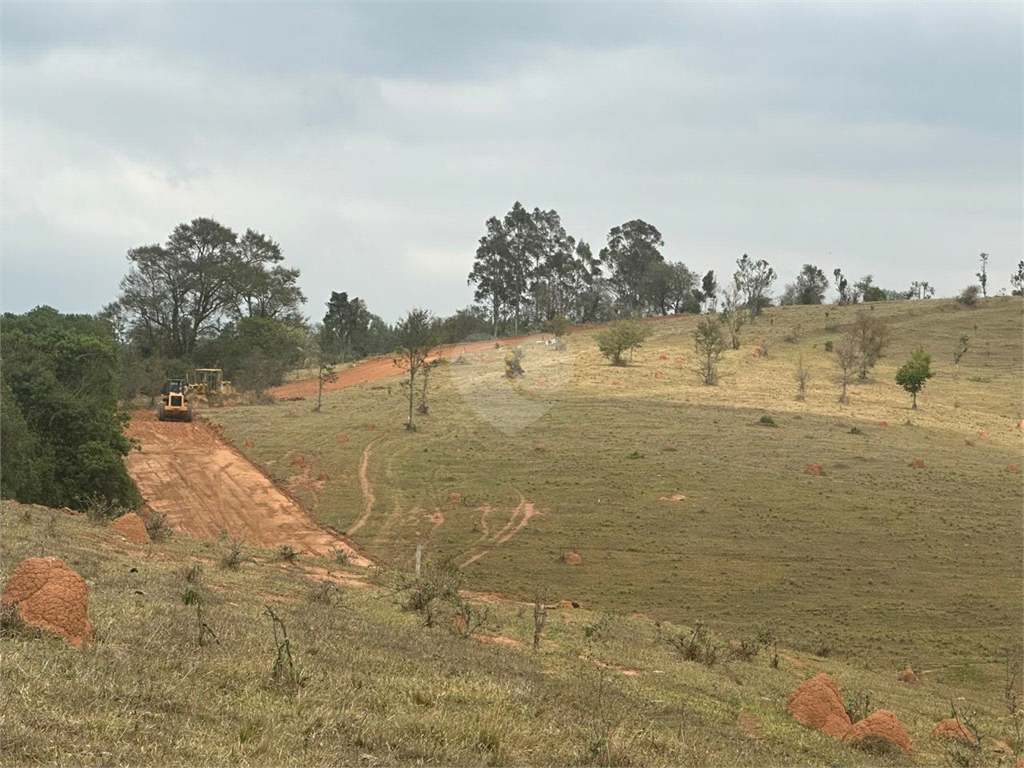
{"points": [[875, 560], [368, 684]]}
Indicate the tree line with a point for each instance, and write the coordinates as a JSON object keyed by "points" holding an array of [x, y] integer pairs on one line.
{"points": [[209, 297]]}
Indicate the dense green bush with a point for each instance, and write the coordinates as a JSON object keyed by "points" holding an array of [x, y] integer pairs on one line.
{"points": [[62, 427]]}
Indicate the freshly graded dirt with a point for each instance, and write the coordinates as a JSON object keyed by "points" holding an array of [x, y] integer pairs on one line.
{"points": [[206, 487]]}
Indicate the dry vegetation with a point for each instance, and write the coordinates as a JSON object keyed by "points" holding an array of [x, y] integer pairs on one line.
{"points": [[875, 559], [362, 681], [635, 491]]}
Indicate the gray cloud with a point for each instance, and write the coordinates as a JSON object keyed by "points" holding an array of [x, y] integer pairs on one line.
{"points": [[373, 140]]}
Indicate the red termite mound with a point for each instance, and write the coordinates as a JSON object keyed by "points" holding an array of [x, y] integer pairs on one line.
{"points": [[48, 595]]}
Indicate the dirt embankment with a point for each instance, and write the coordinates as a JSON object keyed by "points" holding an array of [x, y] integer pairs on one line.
{"points": [[206, 487], [377, 368]]}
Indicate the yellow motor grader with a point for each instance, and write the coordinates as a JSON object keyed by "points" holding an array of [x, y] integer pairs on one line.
{"points": [[208, 385]]}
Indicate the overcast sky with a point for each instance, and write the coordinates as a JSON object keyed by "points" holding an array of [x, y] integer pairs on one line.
{"points": [[372, 141]]}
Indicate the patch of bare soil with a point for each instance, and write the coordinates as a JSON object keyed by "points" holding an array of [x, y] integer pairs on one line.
{"points": [[205, 488]]}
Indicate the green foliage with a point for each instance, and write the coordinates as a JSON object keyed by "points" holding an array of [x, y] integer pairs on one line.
{"points": [[60, 406], [558, 326], [417, 338], [754, 278], [631, 251], [810, 285], [255, 352], [346, 326], [710, 344], [697, 645], [176, 294], [767, 421], [1017, 280], [619, 337], [915, 373]]}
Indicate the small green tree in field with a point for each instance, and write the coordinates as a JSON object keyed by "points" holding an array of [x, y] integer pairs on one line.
{"points": [[710, 344], [621, 336], [915, 373]]}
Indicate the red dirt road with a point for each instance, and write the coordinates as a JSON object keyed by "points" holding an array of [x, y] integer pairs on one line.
{"points": [[204, 487], [381, 368]]}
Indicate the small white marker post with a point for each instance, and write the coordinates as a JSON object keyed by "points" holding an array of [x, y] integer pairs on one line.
{"points": [[419, 558]]}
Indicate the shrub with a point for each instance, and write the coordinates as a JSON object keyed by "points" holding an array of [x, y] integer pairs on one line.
{"points": [[969, 296], [287, 554], [232, 556], [767, 421], [829, 346], [698, 646], [157, 526], [514, 363], [710, 344], [801, 376], [440, 583], [619, 337]]}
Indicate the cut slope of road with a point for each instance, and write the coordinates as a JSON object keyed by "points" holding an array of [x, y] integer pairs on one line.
{"points": [[383, 367], [205, 487]]}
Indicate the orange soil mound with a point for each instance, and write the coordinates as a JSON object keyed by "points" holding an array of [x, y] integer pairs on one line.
{"points": [[132, 527], [883, 424], [542, 446], [916, 464], [342, 438], [50, 596], [572, 558], [883, 724], [658, 374], [299, 460], [323, 477], [669, 449], [816, 703], [1014, 468], [249, 444], [454, 498], [815, 469], [982, 433], [680, 361], [616, 383], [663, 357], [369, 427], [908, 676], [951, 728]]}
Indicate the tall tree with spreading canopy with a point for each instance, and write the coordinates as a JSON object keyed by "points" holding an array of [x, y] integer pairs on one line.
{"points": [[631, 250], [176, 294]]}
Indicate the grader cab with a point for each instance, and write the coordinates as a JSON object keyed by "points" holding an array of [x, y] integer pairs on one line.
{"points": [[209, 385]]}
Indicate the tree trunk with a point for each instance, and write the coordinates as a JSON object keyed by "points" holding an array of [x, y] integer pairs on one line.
{"points": [[412, 394]]}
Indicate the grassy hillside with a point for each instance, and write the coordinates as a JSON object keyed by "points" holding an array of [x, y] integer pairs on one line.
{"points": [[876, 559], [378, 688]]}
